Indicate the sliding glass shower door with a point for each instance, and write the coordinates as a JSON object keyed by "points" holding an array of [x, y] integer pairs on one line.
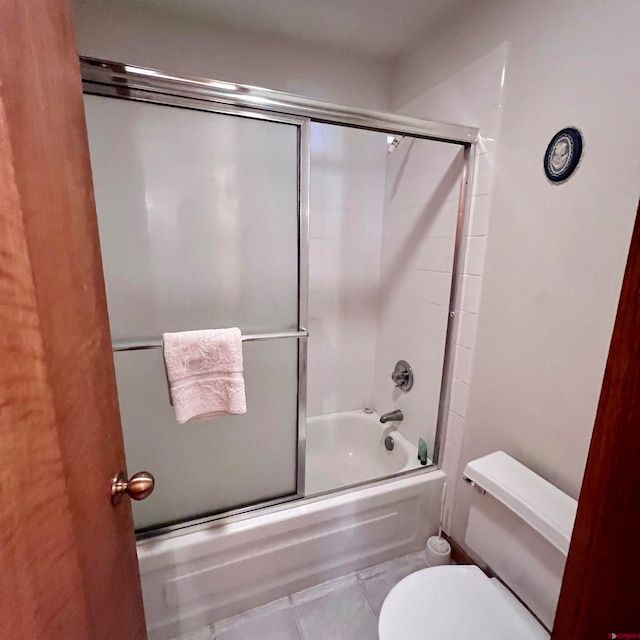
{"points": [[199, 216]]}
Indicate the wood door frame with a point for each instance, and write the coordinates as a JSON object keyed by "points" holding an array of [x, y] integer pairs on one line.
{"points": [[599, 595]]}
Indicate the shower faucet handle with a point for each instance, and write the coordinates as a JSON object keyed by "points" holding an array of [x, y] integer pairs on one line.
{"points": [[399, 377], [402, 375]]}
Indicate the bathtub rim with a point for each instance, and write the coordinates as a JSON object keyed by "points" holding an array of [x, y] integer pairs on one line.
{"points": [[159, 534]]}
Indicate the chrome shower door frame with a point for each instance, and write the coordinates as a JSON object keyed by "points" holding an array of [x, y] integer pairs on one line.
{"points": [[302, 124], [118, 80]]}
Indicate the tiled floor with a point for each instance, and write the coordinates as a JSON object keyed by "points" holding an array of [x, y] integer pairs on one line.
{"points": [[342, 609]]}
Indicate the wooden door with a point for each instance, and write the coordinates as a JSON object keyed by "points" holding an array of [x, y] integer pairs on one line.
{"points": [[600, 589], [68, 567]]}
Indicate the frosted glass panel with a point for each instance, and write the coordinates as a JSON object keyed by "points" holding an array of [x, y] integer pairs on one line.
{"points": [[214, 465], [198, 217]]}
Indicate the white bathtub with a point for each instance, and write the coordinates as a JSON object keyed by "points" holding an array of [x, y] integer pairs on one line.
{"points": [[192, 580], [347, 448]]}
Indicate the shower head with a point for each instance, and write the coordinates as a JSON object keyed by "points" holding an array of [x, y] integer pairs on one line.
{"points": [[393, 142]]}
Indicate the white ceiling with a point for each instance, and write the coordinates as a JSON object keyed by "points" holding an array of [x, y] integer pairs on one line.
{"points": [[379, 28]]}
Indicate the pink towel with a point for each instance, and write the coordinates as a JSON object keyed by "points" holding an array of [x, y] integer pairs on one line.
{"points": [[204, 369]]}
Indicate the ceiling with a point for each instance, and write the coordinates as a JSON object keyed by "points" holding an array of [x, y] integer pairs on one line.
{"points": [[379, 28]]}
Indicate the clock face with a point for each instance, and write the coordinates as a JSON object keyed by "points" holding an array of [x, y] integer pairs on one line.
{"points": [[563, 154]]}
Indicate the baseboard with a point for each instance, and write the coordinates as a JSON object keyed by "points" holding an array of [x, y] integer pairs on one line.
{"points": [[458, 554]]}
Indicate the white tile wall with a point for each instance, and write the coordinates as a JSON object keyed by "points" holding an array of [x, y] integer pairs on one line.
{"points": [[463, 360], [381, 256], [418, 237], [479, 222], [346, 205], [473, 96], [467, 308], [476, 247], [483, 177], [467, 326], [470, 293]]}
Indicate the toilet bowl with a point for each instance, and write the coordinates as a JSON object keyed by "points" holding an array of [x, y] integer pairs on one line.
{"points": [[520, 526], [455, 603]]}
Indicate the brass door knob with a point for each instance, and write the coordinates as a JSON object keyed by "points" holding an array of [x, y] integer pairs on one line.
{"points": [[138, 487]]}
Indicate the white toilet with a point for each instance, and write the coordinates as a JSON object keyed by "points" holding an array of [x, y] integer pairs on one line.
{"points": [[519, 526]]}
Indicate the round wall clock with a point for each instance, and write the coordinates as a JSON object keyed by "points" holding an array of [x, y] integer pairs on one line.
{"points": [[563, 154]]}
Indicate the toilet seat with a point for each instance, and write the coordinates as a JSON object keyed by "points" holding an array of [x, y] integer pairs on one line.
{"points": [[455, 603]]}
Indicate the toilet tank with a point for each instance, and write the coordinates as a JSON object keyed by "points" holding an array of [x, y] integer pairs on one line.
{"points": [[520, 527]]}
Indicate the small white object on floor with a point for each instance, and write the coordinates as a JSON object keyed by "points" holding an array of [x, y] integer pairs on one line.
{"points": [[204, 370], [437, 552]]}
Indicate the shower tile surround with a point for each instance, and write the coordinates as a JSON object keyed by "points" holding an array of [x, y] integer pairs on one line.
{"points": [[346, 209], [422, 194], [382, 234], [474, 96], [343, 609]]}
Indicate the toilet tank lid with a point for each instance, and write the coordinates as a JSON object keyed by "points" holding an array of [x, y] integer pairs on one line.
{"points": [[542, 506]]}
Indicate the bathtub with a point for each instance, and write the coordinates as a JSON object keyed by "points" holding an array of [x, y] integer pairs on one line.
{"points": [[347, 448], [192, 580]]}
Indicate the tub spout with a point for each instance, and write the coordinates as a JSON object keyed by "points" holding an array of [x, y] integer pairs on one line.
{"points": [[392, 416]]}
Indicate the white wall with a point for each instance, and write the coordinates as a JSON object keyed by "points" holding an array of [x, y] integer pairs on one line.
{"points": [[418, 240], [116, 31], [346, 203], [555, 254]]}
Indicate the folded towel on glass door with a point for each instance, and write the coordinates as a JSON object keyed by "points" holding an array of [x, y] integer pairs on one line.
{"points": [[204, 369]]}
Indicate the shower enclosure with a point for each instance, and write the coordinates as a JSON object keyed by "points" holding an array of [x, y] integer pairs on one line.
{"points": [[330, 236]]}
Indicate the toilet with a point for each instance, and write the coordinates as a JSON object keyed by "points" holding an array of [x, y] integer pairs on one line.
{"points": [[519, 527]]}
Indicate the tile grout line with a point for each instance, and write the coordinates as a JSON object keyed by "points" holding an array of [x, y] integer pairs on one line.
{"points": [[295, 618], [366, 595]]}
